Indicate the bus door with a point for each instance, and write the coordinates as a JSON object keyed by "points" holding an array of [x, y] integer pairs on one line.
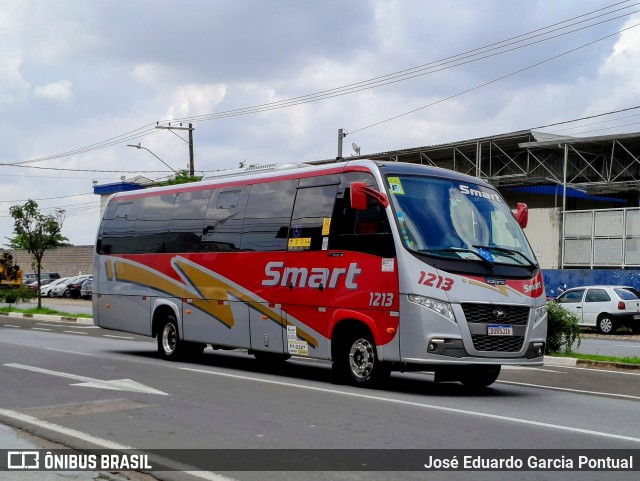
{"points": [[210, 223], [308, 268], [264, 247]]}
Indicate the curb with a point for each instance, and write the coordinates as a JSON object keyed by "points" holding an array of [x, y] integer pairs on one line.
{"points": [[559, 361], [606, 364], [49, 317], [572, 362]]}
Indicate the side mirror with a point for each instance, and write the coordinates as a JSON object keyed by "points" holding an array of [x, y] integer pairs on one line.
{"points": [[522, 214], [358, 196]]}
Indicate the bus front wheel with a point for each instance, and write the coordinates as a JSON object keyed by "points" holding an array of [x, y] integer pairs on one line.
{"points": [[477, 377], [169, 344], [356, 361]]}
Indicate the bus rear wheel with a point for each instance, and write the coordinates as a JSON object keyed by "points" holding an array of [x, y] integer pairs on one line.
{"points": [[356, 361]]}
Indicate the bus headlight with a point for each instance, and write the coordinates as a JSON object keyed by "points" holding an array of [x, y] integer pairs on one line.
{"points": [[440, 307], [539, 313]]}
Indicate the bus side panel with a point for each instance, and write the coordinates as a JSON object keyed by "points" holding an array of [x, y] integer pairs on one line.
{"points": [[123, 312], [216, 322]]}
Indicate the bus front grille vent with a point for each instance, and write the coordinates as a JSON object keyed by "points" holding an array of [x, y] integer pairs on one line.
{"points": [[486, 314], [497, 343]]}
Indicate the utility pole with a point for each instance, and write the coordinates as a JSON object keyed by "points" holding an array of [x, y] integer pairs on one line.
{"points": [[190, 129], [341, 135]]}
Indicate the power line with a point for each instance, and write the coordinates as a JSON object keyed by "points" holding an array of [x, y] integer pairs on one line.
{"points": [[433, 67], [477, 87], [394, 77]]}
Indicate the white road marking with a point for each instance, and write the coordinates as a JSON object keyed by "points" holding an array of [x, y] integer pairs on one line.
{"points": [[105, 443], [565, 389], [525, 368], [39, 329], [118, 337], [11, 325], [71, 352], [65, 325], [116, 384], [76, 332], [434, 407], [628, 373]]}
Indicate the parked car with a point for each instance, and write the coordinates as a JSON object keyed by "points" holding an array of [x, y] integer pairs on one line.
{"points": [[35, 286], [63, 289], [86, 289], [30, 277], [603, 307], [45, 291], [74, 287]]}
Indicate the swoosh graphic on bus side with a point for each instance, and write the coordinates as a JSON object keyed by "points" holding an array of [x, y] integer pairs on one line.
{"points": [[144, 276], [217, 287], [208, 292]]}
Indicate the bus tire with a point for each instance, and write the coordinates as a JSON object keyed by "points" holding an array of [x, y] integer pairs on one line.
{"points": [[478, 377], [170, 346], [356, 361]]}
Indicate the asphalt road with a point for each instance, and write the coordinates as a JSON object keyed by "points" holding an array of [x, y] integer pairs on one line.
{"points": [[71, 384]]}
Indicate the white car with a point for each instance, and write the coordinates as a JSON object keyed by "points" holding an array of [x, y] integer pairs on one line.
{"points": [[603, 307], [45, 291]]}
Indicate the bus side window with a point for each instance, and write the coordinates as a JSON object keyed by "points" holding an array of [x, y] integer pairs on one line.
{"points": [[187, 219], [311, 216], [267, 217], [152, 224], [222, 228], [117, 227], [361, 231]]}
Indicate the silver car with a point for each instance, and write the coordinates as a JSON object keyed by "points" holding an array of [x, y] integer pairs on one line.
{"points": [[45, 291]]}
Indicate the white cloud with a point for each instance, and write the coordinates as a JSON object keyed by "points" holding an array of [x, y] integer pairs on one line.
{"points": [[623, 65], [59, 91], [134, 65], [192, 100]]}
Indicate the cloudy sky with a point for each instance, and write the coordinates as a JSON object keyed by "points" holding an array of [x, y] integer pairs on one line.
{"points": [[273, 81]]}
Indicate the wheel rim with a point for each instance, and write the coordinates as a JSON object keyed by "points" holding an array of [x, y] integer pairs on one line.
{"points": [[606, 325], [169, 338], [361, 358]]}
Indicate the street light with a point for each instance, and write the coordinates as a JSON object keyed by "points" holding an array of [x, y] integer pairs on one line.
{"points": [[141, 147]]}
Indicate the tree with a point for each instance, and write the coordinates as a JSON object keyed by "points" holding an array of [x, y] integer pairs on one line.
{"points": [[181, 177], [563, 330], [36, 233]]}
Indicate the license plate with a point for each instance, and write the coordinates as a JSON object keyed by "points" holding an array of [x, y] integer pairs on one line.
{"points": [[636, 316], [499, 329]]}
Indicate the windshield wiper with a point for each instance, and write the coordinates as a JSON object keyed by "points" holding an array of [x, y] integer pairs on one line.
{"points": [[459, 249], [511, 252]]}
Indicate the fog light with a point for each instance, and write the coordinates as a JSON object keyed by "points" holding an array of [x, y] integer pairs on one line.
{"points": [[539, 348], [434, 345]]}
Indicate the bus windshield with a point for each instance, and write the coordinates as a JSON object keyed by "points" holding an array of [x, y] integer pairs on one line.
{"points": [[457, 220]]}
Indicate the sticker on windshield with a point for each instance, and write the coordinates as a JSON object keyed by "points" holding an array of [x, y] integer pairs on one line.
{"points": [[300, 243], [395, 186], [326, 225], [485, 254]]}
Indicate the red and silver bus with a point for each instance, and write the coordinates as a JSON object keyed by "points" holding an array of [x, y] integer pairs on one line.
{"points": [[375, 266]]}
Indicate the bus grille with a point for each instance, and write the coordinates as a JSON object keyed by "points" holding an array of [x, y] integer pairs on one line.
{"points": [[484, 314], [497, 343]]}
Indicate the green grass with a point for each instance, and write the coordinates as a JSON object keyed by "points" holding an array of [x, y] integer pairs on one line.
{"points": [[597, 357], [44, 310]]}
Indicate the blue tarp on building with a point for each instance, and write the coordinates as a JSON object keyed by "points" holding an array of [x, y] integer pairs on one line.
{"points": [[588, 277], [556, 189]]}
